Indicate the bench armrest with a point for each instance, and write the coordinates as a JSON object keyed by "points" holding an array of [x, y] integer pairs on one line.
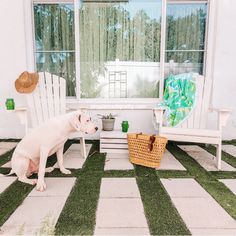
{"points": [[223, 115], [158, 114], [21, 112]]}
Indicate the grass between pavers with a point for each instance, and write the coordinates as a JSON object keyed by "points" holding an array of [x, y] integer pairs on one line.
{"points": [[233, 142], [224, 174], [207, 180], [119, 173], [6, 157], [9, 140], [79, 213], [11, 198], [78, 216], [161, 214], [166, 174], [15, 194], [231, 160]]}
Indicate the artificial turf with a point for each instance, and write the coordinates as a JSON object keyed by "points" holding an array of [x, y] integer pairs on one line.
{"points": [[78, 216], [161, 215], [166, 174], [118, 174], [6, 157], [79, 213], [207, 180], [11, 198], [225, 156]]}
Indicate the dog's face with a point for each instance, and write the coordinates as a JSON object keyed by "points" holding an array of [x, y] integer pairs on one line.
{"points": [[82, 122]]}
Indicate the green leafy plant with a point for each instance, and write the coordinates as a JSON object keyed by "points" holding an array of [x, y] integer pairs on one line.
{"points": [[109, 116]]}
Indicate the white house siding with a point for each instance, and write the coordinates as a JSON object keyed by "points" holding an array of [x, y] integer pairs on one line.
{"points": [[14, 61], [224, 88]]}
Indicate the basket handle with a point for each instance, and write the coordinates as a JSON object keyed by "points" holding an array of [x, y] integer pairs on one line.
{"points": [[151, 141], [138, 134]]}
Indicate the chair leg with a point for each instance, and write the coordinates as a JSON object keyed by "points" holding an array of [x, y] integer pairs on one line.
{"points": [[218, 156], [83, 148]]}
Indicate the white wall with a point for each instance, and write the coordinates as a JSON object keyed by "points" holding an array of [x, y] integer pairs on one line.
{"points": [[13, 61], [224, 87]]}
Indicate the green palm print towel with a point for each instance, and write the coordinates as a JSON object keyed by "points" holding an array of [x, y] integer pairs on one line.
{"points": [[179, 98]]}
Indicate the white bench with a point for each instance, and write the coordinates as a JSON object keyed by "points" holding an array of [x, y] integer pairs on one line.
{"points": [[113, 142]]}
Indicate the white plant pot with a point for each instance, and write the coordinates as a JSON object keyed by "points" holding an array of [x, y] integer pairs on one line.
{"points": [[108, 124]]}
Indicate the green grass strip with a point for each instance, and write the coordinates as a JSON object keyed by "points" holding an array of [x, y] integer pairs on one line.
{"points": [[161, 215], [78, 216], [207, 180], [10, 140], [11, 198], [4, 158], [231, 160], [119, 173], [15, 194], [224, 174], [233, 142], [166, 174]]}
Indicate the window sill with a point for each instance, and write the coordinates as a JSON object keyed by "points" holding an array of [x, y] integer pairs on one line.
{"points": [[116, 104]]}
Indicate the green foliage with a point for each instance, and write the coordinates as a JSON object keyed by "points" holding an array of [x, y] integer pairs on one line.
{"points": [[47, 226], [145, 88], [109, 116]]}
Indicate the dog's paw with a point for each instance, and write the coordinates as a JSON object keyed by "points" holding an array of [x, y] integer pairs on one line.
{"points": [[41, 186], [34, 181], [49, 169], [65, 171]]}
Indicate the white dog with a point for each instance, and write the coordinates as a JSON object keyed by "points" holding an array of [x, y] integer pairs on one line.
{"points": [[31, 153]]}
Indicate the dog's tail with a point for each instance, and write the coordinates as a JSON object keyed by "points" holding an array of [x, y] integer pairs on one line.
{"points": [[11, 173]]}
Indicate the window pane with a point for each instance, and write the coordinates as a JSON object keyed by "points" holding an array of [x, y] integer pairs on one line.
{"points": [[120, 49], [184, 62], [54, 27], [185, 35], [61, 64], [186, 26]]}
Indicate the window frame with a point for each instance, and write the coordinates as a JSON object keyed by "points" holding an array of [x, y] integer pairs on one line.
{"points": [[210, 33]]}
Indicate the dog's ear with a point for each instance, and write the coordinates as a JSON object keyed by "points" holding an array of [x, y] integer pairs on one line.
{"points": [[74, 122]]}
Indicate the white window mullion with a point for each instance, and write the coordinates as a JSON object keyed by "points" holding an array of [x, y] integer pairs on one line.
{"points": [[162, 52], [211, 45], [53, 1], [29, 35], [77, 48]]}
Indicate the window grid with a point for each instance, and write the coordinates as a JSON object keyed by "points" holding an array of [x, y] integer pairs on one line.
{"points": [[163, 38]]}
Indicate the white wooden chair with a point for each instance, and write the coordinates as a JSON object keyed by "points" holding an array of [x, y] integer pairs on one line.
{"points": [[194, 128], [46, 101]]}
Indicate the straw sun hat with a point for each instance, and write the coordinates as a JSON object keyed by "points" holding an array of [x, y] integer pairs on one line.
{"points": [[26, 82]]}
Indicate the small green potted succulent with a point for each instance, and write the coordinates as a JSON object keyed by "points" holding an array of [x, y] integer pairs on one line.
{"points": [[108, 122]]}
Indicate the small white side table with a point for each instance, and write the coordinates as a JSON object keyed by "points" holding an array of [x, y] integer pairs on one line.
{"points": [[113, 142]]}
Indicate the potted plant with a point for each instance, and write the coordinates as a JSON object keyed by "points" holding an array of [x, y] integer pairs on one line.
{"points": [[108, 122]]}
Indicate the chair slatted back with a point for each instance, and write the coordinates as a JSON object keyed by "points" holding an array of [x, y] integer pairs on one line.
{"points": [[195, 120], [48, 99]]}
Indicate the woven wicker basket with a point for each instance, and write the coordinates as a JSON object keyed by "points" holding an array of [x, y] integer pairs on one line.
{"points": [[146, 150]]}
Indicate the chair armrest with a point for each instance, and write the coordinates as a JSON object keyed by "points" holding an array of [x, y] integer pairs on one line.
{"points": [[21, 112], [158, 114], [223, 116], [70, 109], [213, 109]]}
